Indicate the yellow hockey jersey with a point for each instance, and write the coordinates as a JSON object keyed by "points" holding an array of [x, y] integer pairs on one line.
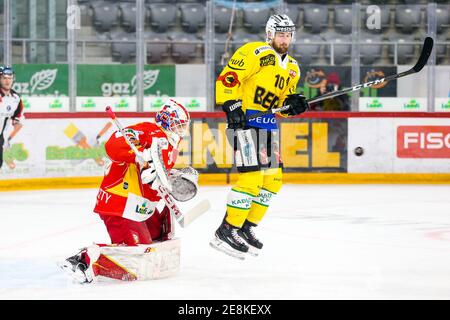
{"points": [[257, 75]]}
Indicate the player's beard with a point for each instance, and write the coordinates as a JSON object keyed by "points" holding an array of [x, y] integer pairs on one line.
{"points": [[281, 49]]}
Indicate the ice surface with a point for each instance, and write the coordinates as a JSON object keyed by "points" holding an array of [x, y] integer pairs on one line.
{"points": [[320, 242]]}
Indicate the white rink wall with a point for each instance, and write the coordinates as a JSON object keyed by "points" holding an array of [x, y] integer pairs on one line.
{"points": [[66, 146], [399, 145]]}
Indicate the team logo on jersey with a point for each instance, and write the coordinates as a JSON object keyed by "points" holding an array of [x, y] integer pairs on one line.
{"points": [[229, 79], [292, 73], [8, 108], [268, 60]]}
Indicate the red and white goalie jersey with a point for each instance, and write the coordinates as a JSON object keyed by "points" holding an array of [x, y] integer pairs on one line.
{"points": [[122, 192]]}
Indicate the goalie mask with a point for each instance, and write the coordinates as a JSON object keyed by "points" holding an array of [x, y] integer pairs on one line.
{"points": [[184, 183], [279, 23], [174, 119]]}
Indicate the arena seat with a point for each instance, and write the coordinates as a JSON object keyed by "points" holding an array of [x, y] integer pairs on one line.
{"points": [[105, 15], [255, 19], [183, 52], [315, 17], [405, 52], [343, 18], [121, 51], [156, 51], [162, 16], [222, 18], [370, 51], [342, 47], [407, 18], [128, 10], [304, 51], [192, 16]]}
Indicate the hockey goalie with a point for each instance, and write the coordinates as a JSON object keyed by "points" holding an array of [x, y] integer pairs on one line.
{"points": [[138, 221]]}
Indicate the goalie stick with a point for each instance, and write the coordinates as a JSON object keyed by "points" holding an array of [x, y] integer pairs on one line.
{"points": [[183, 219], [424, 55]]}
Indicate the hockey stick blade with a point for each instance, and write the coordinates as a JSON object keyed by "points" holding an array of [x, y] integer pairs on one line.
{"points": [[199, 209], [425, 54]]}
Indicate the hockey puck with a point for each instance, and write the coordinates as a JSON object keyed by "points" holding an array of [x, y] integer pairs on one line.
{"points": [[359, 151]]}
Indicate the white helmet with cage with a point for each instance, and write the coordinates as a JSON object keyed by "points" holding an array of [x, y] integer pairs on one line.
{"points": [[174, 119], [279, 23]]}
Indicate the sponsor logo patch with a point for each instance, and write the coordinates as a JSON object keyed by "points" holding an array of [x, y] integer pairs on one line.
{"points": [[292, 73], [268, 60], [261, 49]]}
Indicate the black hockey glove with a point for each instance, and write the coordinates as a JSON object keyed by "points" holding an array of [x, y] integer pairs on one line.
{"points": [[235, 116], [297, 103]]}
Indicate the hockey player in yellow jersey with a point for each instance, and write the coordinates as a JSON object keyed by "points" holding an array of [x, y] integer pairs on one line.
{"points": [[258, 77]]}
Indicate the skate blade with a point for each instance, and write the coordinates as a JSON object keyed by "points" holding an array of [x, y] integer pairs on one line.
{"points": [[225, 248], [252, 251], [77, 275]]}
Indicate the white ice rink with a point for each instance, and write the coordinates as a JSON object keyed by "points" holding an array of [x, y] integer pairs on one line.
{"points": [[320, 242]]}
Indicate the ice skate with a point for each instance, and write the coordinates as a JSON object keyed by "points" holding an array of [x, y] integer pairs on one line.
{"points": [[229, 242], [247, 233], [77, 268]]}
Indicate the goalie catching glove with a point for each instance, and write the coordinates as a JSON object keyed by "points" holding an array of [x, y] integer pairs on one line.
{"points": [[184, 183], [297, 105]]}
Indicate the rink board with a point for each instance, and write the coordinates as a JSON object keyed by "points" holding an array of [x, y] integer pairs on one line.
{"points": [[61, 150]]}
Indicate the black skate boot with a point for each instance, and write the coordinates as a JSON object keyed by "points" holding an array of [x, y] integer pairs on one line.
{"points": [[228, 241], [76, 267], [247, 233]]}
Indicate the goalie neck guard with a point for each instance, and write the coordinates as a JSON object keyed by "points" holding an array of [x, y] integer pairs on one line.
{"points": [[174, 119], [279, 23]]}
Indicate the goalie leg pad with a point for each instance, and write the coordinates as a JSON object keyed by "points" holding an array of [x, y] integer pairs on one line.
{"points": [[142, 262]]}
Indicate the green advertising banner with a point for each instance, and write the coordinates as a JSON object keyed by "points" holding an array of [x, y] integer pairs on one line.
{"points": [[120, 80], [41, 79]]}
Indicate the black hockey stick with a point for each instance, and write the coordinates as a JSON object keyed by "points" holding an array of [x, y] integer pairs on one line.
{"points": [[424, 55]]}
